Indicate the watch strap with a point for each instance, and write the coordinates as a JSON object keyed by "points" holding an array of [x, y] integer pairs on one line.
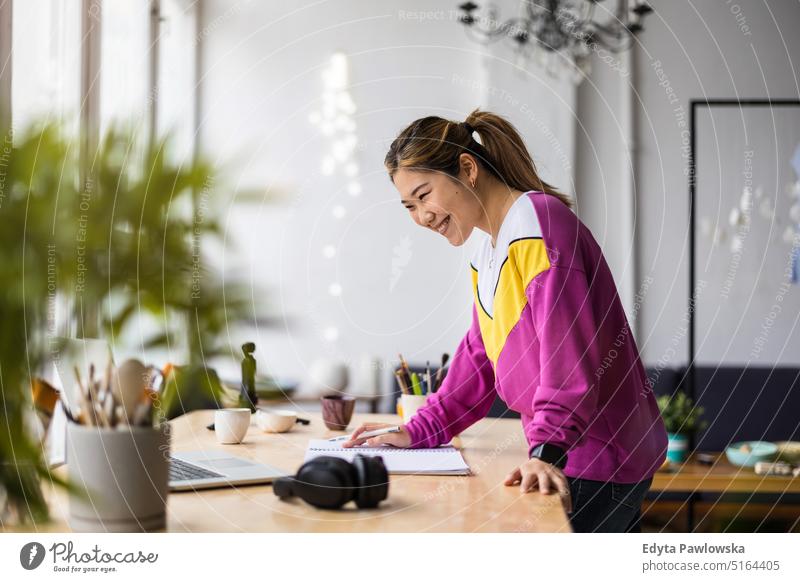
{"points": [[549, 453]]}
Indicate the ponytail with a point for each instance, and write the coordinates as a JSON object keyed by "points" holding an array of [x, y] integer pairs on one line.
{"points": [[507, 152], [435, 144]]}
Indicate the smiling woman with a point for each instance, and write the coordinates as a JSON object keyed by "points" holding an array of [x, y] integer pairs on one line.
{"points": [[437, 162], [546, 315]]}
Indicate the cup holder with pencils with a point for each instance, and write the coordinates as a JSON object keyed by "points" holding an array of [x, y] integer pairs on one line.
{"points": [[416, 387]]}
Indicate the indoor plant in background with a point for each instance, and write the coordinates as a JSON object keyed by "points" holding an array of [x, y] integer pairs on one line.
{"points": [[118, 240], [36, 167], [147, 216], [160, 215], [681, 419]]}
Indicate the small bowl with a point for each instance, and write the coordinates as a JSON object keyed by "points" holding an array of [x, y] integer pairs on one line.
{"points": [[276, 420], [759, 451]]}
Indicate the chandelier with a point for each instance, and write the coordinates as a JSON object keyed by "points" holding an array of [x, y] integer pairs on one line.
{"points": [[573, 29]]}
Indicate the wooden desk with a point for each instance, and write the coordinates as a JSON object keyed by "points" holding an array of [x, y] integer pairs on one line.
{"points": [[722, 477], [480, 502]]}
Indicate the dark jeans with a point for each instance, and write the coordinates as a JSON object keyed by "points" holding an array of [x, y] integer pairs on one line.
{"points": [[600, 506]]}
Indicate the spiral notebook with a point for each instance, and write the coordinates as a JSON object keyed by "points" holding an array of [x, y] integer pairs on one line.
{"points": [[438, 461]]}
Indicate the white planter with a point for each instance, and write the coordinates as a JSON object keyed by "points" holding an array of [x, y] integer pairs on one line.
{"points": [[124, 472]]}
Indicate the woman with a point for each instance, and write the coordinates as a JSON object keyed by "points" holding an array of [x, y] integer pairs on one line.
{"points": [[548, 335]]}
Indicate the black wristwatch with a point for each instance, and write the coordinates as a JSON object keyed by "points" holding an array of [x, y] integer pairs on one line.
{"points": [[548, 453]]}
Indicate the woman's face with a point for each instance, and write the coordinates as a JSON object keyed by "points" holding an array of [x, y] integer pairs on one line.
{"points": [[438, 202]]}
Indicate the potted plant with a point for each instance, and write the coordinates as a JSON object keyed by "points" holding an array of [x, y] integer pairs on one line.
{"points": [[681, 418], [32, 169], [116, 241]]}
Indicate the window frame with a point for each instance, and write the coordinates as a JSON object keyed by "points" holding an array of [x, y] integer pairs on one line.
{"points": [[90, 70], [6, 64]]}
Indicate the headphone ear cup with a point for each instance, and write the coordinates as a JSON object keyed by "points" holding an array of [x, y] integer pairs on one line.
{"points": [[325, 482], [372, 485], [283, 487]]}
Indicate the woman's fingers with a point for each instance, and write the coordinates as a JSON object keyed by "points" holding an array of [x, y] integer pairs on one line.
{"points": [[355, 439], [547, 478], [396, 439], [514, 477], [528, 481], [544, 482], [353, 442], [384, 439]]}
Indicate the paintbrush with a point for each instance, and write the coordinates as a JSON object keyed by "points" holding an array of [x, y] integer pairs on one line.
{"points": [[109, 406], [94, 396], [86, 407], [401, 382], [406, 371], [429, 385], [438, 379]]}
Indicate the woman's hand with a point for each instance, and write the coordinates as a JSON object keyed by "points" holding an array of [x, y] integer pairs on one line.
{"points": [[547, 476], [397, 439]]}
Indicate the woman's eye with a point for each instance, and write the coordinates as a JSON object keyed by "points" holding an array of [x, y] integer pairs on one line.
{"points": [[421, 198]]}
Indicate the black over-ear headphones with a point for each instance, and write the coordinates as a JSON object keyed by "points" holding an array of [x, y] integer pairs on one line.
{"points": [[330, 482]]}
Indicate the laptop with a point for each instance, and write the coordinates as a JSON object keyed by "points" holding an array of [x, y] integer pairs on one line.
{"points": [[208, 469]]}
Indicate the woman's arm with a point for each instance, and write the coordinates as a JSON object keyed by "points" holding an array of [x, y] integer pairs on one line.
{"points": [[465, 396], [565, 401]]}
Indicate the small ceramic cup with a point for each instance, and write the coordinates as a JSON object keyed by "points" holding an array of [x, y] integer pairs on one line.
{"points": [[276, 420], [410, 403], [231, 424], [337, 411]]}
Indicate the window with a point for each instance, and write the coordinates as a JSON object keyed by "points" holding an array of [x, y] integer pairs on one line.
{"points": [[177, 41], [125, 52], [46, 62]]}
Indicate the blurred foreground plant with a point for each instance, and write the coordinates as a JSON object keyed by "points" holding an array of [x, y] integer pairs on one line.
{"points": [[113, 240]]}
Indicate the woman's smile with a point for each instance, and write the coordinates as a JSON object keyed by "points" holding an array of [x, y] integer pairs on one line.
{"points": [[443, 225]]}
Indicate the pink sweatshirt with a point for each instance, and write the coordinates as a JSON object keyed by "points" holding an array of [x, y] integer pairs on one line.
{"points": [[550, 336]]}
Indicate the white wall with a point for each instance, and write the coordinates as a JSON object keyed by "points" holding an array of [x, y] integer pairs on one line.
{"points": [[262, 68], [603, 169], [704, 54], [261, 78], [719, 49]]}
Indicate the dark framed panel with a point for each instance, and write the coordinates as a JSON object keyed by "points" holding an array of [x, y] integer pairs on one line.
{"points": [[745, 377]]}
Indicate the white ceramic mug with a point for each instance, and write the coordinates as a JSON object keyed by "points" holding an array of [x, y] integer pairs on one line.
{"points": [[410, 403], [276, 420], [231, 424]]}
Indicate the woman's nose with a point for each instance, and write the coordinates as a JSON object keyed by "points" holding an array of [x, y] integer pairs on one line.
{"points": [[428, 218]]}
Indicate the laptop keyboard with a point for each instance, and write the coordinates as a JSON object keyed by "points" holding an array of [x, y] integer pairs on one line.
{"points": [[182, 471]]}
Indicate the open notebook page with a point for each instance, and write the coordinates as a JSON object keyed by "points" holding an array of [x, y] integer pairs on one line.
{"points": [[438, 461]]}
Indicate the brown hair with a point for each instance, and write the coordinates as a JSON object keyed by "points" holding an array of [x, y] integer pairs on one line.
{"points": [[435, 144]]}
